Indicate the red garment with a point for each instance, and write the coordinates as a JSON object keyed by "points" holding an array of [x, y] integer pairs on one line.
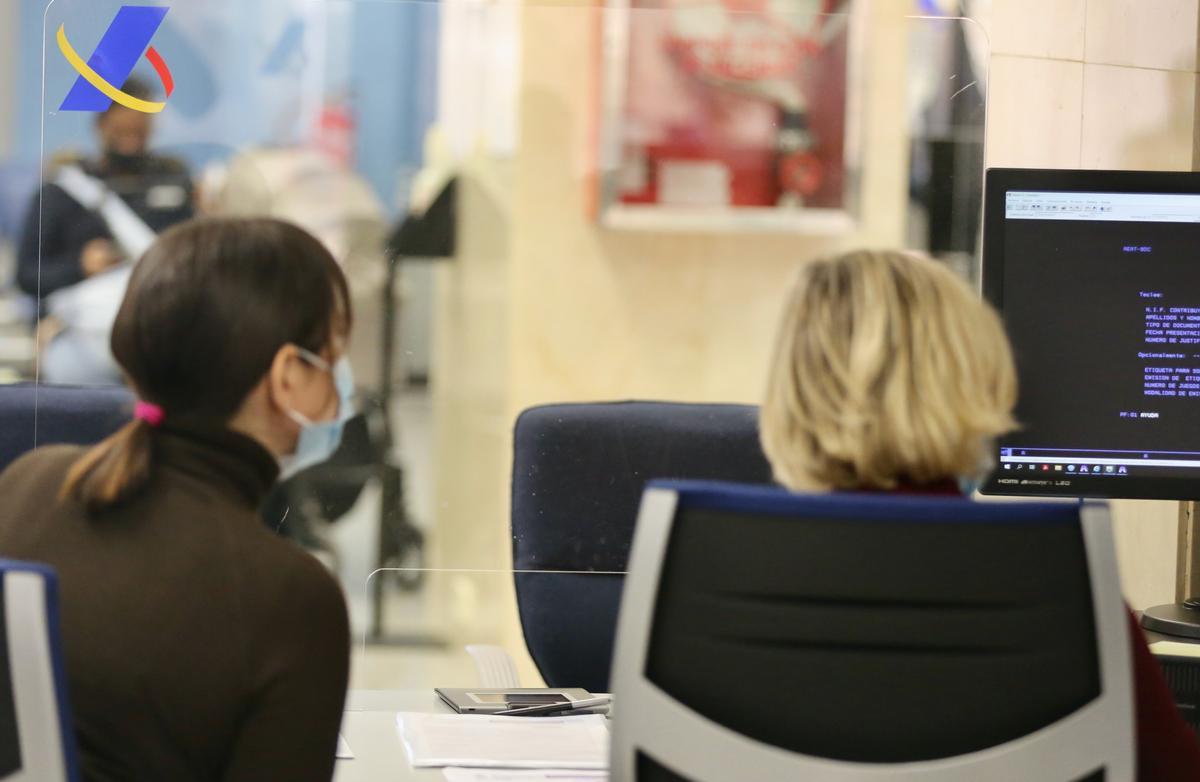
{"points": [[1167, 747]]}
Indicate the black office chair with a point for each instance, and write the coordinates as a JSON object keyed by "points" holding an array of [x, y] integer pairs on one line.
{"points": [[578, 474], [34, 415], [765, 635]]}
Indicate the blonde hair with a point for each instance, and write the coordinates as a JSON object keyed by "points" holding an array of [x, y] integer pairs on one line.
{"points": [[888, 369]]}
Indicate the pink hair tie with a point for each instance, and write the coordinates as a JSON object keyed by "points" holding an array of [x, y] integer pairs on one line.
{"points": [[149, 412]]}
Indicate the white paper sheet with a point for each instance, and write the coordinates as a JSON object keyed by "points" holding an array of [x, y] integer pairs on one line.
{"points": [[543, 775], [343, 749], [434, 740]]}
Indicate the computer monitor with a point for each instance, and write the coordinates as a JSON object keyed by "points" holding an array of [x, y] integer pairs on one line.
{"points": [[1097, 277]]}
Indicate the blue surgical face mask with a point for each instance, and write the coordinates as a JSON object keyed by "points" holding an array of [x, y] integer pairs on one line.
{"points": [[319, 439]]}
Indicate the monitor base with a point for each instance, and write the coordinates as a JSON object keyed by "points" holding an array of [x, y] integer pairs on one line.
{"points": [[1181, 620]]}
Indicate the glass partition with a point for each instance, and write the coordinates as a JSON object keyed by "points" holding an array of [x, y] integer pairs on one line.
{"points": [[532, 203], [492, 628], [947, 107]]}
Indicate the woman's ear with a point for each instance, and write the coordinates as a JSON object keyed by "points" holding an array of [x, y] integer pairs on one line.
{"points": [[282, 379], [262, 417]]}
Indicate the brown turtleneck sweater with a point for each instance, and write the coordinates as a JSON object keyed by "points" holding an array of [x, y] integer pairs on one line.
{"points": [[199, 645]]}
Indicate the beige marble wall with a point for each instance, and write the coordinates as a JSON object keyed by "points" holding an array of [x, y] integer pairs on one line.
{"points": [[1100, 84], [544, 306], [471, 371], [602, 314], [471, 598]]}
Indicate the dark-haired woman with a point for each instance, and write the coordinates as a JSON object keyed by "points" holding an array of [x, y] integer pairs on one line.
{"points": [[200, 646]]}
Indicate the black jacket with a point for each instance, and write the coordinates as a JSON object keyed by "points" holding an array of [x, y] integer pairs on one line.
{"points": [[57, 226]]}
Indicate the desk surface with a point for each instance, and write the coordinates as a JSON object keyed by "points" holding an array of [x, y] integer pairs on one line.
{"points": [[369, 727]]}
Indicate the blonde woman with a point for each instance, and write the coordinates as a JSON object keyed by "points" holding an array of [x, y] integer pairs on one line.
{"points": [[890, 374]]}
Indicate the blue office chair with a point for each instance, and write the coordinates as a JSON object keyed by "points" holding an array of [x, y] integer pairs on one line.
{"points": [[765, 635], [37, 740], [33, 415], [578, 474]]}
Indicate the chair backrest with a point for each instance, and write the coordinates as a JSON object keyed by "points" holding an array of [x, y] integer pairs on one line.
{"points": [[37, 740], [33, 415], [765, 635], [578, 474]]}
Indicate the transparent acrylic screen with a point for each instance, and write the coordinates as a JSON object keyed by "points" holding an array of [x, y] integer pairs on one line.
{"points": [[531, 205]]}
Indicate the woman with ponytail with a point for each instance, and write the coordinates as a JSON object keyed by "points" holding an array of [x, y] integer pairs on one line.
{"points": [[199, 645]]}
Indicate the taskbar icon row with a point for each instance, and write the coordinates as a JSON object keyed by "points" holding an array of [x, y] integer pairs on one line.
{"points": [[1075, 469]]}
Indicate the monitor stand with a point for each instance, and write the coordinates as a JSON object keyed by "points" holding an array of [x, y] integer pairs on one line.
{"points": [[1182, 619]]}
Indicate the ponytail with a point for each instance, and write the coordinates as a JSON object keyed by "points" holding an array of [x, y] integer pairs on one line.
{"points": [[114, 470]]}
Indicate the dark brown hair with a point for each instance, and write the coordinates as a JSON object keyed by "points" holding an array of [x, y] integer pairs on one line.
{"points": [[207, 309]]}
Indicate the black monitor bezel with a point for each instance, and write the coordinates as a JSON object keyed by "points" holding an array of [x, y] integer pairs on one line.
{"points": [[998, 182]]}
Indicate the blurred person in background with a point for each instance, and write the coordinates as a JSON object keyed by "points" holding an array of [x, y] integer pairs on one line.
{"points": [[91, 217], [65, 240]]}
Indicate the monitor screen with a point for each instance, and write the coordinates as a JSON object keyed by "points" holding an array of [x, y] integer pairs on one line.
{"points": [[1097, 277]]}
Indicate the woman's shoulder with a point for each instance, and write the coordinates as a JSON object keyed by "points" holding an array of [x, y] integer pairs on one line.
{"points": [[291, 575], [297, 600], [49, 462], [305, 574]]}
